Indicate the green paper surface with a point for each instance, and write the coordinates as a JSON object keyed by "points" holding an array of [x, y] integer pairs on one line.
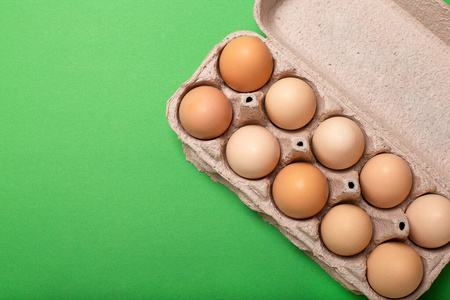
{"points": [[97, 200]]}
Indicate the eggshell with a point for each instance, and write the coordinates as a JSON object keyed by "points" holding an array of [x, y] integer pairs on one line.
{"points": [[300, 190], [346, 229], [245, 64], [394, 270], [386, 180], [338, 143], [205, 112], [253, 152], [290, 103], [429, 221]]}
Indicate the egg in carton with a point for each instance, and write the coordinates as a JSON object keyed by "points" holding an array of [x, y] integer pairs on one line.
{"points": [[371, 62]]}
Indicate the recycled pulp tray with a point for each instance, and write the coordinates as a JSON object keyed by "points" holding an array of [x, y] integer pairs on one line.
{"points": [[384, 64]]}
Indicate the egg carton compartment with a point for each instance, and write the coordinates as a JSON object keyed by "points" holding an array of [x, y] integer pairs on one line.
{"points": [[295, 146]]}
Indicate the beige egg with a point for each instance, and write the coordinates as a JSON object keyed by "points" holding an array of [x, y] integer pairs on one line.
{"points": [[205, 112], [429, 221], [246, 64], [253, 152], [300, 190], [338, 143], [394, 270], [346, 229], [290, 103], [385, 180]]}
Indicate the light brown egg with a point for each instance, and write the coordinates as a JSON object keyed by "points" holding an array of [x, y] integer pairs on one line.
{"points": [[300, 190], [246, 64], [385, 180], [290, 103], [394, 270], [253, 152], [338, 143], [429, 221], [205, 112], [346, 229]]}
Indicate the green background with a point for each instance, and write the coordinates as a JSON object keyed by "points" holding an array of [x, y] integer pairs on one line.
{"points": [[96, 197]]}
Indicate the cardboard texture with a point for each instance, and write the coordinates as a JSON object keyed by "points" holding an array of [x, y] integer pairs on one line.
{"points": [[375, 62]]}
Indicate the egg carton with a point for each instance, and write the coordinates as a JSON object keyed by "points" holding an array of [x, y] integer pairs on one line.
{"points": [[383, 64]]}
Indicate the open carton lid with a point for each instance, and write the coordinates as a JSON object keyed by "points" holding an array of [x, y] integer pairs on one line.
{"points": [[388, 61]]}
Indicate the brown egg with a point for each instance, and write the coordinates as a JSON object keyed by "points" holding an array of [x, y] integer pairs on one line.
{"points": [[394, 270], [290, 103], [386, 180], [429, 221], [246, 64], [205, 112], [253, 152], [338, 143], [300, 190], [346, 229]]}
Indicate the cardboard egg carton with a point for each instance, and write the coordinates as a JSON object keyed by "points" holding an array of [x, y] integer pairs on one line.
{"points": [[383, 64]]}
